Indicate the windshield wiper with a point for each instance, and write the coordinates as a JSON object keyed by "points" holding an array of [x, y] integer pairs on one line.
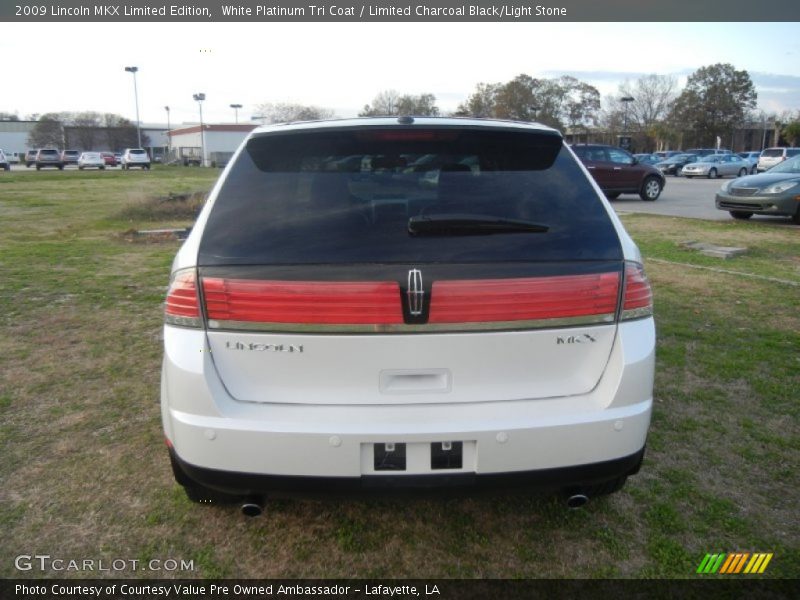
{"points": [[466, 224]]}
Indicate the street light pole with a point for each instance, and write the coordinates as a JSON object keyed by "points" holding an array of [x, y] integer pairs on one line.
{"points": [[169, 132], [236, 108], [136, 98], [626, 100], [199, 98]]}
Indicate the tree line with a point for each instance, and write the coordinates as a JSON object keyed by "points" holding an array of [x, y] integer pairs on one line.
{"points": [[84, 131], [716, 100]]}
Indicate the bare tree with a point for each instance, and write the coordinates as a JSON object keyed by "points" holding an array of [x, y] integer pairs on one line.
{"points": [[284, 112], [390, 103], [653, 96]]}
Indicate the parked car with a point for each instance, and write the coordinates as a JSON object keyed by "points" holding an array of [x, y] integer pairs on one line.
{"points": [[707, 151], [4, 164], [13, 158], [49, 157], [91, 160], [135, 157], [674, 164], [773, 156], [496, 328], [752, 159], [70, 157], [30, 158], [776, 192], [647, 159], [717, 165], [664, 154], [109, 159], [617, 171]]}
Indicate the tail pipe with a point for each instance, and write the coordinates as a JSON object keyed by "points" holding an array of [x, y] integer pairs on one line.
{"points": [[252, 506], [576, 500]]}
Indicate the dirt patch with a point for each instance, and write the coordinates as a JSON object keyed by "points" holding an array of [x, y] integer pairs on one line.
{"points": [[165, 208]]}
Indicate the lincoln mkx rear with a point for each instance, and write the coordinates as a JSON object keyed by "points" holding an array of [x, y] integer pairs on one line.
{"points": [[381, 304]]}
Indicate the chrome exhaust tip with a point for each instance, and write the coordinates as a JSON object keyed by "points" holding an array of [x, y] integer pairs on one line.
{"points": [[252, 507], [577, 501]]}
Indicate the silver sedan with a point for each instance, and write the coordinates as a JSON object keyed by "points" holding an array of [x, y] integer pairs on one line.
{"points": [[717, 165]]}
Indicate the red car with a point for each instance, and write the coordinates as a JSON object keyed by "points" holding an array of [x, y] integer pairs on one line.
{"points": [[109, 158]]}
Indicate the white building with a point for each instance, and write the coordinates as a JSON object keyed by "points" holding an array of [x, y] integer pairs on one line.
{"points": [[219, 142]]}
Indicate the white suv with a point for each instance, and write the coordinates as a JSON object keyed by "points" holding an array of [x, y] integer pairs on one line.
{"points": [[4, 162], [342, 318], [135, 157]]}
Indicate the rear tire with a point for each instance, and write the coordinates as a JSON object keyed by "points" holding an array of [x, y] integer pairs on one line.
{"points": [[742, 172], [712, 174], [651, 189], [741, 215], [612, 195], [796, 217]]}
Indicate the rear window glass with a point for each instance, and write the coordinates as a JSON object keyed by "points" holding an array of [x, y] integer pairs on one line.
{"points": [[348, 196], [772, 152]]}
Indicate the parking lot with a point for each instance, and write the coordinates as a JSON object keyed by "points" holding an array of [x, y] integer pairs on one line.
{"points": [[692, 198]]}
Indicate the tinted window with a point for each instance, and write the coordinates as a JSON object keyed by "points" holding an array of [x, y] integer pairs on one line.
{"points": [[347, 197], [772, 152], [620, 156]]}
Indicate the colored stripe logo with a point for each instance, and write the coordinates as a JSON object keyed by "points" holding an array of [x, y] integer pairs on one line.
{"points": [[734, 563]]}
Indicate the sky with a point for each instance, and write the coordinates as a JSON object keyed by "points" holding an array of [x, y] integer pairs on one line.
{"points": [[342, 66]]}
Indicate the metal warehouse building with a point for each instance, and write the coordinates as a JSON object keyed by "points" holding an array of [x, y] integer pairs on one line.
{"points": [[219, 142]]}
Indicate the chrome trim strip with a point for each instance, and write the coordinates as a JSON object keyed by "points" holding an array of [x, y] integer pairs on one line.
{"points": [[216, 325]]}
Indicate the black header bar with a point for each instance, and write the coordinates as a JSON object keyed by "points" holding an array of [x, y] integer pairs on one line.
{"points": [[335, 11]]}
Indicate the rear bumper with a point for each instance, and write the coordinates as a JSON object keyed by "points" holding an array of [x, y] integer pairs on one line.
{"points": [[565, 478]]}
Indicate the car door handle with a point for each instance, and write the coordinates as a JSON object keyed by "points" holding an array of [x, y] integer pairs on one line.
{"points": [[618, 168], [591, 168]]}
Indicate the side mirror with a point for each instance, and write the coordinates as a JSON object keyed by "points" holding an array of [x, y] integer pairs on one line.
{"points": [[634, 160]]}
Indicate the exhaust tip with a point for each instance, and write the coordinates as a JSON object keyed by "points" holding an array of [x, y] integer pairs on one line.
{"points": [[252, 507], [577, 501]]}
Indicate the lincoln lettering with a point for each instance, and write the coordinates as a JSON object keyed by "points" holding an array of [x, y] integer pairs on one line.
{"points": [[265, 347]]}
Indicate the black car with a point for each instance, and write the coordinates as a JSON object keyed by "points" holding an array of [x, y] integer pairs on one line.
{"points": [[674, 164], [617, 171]]}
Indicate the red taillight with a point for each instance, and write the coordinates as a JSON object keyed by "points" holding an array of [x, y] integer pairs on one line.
{"points": [[182, 306], [302, 301], [638, 299], [561, 297]]}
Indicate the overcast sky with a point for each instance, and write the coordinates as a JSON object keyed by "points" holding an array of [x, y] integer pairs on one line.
{"points": [[52, 67]]}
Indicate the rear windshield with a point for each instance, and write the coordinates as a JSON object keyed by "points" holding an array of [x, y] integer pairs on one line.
{"points": [[349, 197], [772, 152], [48, 152]]}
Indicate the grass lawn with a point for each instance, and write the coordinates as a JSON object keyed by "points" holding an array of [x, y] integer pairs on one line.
{"points": [[84, 469]]}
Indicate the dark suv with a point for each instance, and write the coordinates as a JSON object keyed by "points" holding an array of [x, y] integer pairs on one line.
{"points": [[618, 172]]}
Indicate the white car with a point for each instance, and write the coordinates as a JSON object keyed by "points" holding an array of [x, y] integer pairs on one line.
{"points": [[91, 160], [354, 330], [4, 163], [135, 157]]}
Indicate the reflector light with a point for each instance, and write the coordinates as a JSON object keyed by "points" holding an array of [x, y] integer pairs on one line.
{"points": [[638, 298], [524, 299], [302, 301], [182, 296]]}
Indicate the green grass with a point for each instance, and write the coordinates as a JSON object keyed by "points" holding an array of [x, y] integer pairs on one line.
{"points": [[85, 475]]}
